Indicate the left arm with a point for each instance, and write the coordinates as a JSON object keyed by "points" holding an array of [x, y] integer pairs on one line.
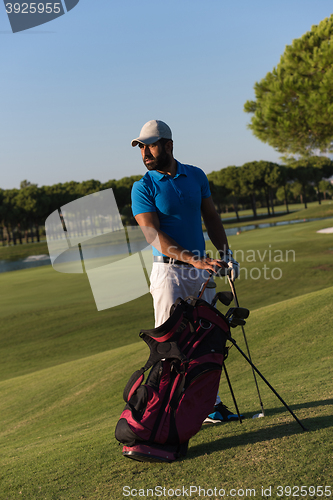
{"points": [[214, 225]]}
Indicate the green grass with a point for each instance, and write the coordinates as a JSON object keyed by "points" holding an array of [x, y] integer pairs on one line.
{"points": [[49, 318], [301, 256], [325, 205], [312, 212], [57, 424], [64, 366], [18, 252]]}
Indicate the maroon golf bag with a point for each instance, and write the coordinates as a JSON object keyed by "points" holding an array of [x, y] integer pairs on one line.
{"points": [[186, 357]]}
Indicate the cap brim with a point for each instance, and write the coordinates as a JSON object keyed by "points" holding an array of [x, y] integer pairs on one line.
{"points": [[141, 140]]}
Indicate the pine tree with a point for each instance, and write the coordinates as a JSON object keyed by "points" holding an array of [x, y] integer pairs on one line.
{"points": [[293, 109]]}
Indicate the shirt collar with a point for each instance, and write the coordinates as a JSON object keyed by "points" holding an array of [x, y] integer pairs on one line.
{"points": [[180, 171]]}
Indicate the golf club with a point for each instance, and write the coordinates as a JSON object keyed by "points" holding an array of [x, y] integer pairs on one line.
{"points": [[224, 297], [203, 287]]}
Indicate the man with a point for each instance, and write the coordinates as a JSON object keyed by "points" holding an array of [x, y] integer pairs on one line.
{"points": [[168, 203]]}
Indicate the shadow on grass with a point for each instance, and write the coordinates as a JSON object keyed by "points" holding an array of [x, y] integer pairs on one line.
{"points": [[309, 404], [295, 407], [265, 434]]}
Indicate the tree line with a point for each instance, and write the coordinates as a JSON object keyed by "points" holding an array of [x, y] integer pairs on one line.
{"points": [[23, 211], [263, 182]]}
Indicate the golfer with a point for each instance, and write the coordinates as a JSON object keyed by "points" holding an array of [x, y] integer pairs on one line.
{"points": [[168, 203]]}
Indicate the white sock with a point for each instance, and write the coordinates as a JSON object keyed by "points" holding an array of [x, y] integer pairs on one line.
{"points": [[218, 399]]}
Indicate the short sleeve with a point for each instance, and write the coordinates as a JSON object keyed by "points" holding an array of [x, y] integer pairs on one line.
{"points": [[142, 199]]}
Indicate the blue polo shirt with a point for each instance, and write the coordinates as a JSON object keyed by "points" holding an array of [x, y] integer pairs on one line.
{"points": [[177, 202]]}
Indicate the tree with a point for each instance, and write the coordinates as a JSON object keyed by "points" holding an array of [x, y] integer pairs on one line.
{"points": [[232, 182], [251, 182], [10, 213], [268, 178], [218, 188], [310, 172], [283, 193], [302, 172], [2, 195], [322, 168], [274, 178], [88, 187], [27, 203], [122, 190], [326, 188], [297, 190], [293, 106], [286, 178]]}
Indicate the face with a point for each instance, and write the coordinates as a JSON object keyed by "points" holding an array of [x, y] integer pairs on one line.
{"points": [[154, 156]]}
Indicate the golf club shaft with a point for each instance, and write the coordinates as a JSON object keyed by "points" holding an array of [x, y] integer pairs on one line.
{"points": [[203, 288], [232, 286], [267, 383]]}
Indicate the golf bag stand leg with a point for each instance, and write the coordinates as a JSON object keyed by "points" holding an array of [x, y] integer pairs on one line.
{"points": [[232, 286], [232, 393], [267, 383]]}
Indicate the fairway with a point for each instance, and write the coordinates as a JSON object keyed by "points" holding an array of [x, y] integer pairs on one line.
{"points": [[64, 366]]}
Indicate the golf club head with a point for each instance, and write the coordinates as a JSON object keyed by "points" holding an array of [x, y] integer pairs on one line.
{"points": [[238, 312], [258, 415], [224, 297], [233, 322], [241, 312], [236, 316]]}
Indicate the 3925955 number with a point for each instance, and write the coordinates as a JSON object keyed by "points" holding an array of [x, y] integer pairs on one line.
{"points": [[33, 8], [304, 491]]}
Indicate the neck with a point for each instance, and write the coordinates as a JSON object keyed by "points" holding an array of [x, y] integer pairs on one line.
{"points": [[170, 168]]}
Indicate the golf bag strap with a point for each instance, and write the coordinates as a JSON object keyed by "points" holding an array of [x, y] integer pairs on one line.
{"points": [[169, 325], [133, 383], [162, 350], [178, 392], [158, 351]]}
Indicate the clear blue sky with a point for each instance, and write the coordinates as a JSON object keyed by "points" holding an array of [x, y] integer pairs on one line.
{"points": [[75, 91]]}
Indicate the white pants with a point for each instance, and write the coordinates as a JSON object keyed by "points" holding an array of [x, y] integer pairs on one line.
{"points": [[168, 282]]}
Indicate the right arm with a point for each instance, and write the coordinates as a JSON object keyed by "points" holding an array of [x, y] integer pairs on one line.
{"points": [[150, 225]]}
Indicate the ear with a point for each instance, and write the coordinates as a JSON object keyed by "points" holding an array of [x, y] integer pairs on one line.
{"points": [[169, 147]]}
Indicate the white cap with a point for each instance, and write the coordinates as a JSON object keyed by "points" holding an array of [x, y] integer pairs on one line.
{"points": [[153, 131]]}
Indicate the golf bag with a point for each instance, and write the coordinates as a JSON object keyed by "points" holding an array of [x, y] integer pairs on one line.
{"points": [[186, 358]]}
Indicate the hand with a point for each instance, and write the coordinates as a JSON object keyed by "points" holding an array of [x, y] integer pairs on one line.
{"points": [[232, 265], [212, 265]]}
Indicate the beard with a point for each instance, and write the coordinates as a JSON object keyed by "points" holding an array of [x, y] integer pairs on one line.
{"points": [[159, 162]]}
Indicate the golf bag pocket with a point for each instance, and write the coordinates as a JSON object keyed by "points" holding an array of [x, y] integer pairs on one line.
{"points": [[185, 362], [140, 414]]}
